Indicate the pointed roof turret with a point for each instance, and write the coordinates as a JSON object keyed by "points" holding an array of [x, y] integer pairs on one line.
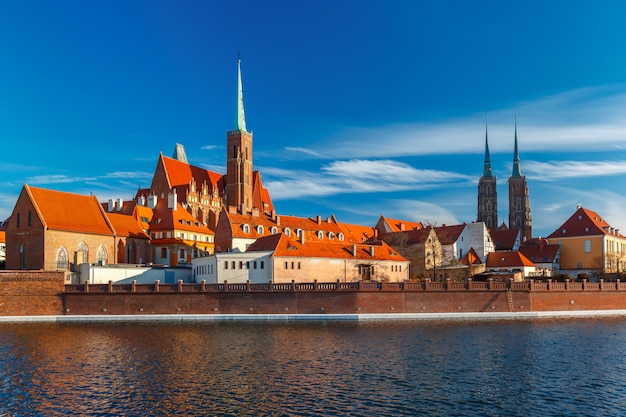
{"points": [[516, 168], [487, 169], [240, 121]]}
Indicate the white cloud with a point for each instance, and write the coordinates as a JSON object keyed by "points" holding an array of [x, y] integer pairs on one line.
{"points": [[573, 169], [303, 150], [578, 120], [355, 176]]}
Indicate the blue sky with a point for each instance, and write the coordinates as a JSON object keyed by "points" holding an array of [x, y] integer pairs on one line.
{"points": [[358, 108]]}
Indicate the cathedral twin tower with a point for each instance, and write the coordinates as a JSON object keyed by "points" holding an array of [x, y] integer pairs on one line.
{"points": [[519, 202]]}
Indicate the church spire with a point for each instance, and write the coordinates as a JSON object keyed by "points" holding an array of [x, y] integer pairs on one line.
{"points": [[516, 168], [487, 168], [240, 121]]}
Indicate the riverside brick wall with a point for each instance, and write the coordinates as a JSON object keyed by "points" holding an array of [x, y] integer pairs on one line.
{"points": [[30, 293], [43, 293]]}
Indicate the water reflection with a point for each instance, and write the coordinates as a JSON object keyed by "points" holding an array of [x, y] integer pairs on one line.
{"points": [[530, 368]]}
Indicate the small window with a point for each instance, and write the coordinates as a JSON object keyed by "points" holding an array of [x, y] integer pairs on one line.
{"points": [[287, 231], [18, 220], [274, 230], [232, 264], [225, 264], [286, 265], [587, 246], [262, 264], [320, 234], [30, 218], [254, 264], [331, 235], [163, 253], [246, 228], [260, 229], [340, 236], [240, 264]]}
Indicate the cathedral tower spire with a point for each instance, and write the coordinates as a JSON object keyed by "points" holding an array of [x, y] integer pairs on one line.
{"points": [[487, 193], [239, 157], [240, 121], [519, 200]]}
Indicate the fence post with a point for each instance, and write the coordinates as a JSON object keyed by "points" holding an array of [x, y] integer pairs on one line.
{"points": [[584, 282], [180, 285], [110, 286], [447, 283], [156, 285], [203, 285], [248, 285], [225, 285], [133, 286], [490, 284], [469, 283], [86, 286], [601, 285], [338, 283], [315, 285], [617, 285], [293, 285]]}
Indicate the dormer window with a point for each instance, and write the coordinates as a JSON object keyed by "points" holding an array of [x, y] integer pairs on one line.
{"points": [[274, 230], [340, 236], [564, 231], [157, 220], [287, 231], [331, 235], [300, 233], [320, 234], [246, 228], [260, 229]]}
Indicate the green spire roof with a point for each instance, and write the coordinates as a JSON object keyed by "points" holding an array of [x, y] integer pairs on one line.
{"points": [[516, 168], [240, 121], [487, 169]]}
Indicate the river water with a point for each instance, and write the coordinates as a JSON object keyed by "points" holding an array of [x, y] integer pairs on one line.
{"points": [[573, 367]]}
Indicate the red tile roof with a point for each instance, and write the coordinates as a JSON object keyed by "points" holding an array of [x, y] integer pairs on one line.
{"points": [[60, 210], [285, 246], [448, 235], [164, 218], [181, 173], [396, 225], [585, 222], [539, 251], [507, 260], [126, 226], [504, 239]]}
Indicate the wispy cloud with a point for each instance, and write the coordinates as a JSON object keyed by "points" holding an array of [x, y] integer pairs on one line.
{"points": [[557, 170], [577, 120], [210, 147], [355, 176], [127, 175]]}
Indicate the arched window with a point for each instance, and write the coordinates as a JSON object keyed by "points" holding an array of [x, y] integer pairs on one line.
{"points": [[62, 258], [331, 235], [83, 253], [260, 229], [246, 228], [320, 234], [274, 230], [101, 255], [340, 236], [287, 231], [22, 254]]}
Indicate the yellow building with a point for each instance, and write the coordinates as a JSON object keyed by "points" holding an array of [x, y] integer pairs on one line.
{"points": [[589, 244]]}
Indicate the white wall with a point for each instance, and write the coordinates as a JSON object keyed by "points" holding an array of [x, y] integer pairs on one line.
{"points": [[475, 235], [253, 266], [97, 274]]}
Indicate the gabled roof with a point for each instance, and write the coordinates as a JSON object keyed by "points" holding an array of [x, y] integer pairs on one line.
{"points": [[507, 260], [388, 225], [504, 239], [165, 218], [180, 173], [471, 258], [539, 251], [310, 226], [260, 197], [284, 246], [585, 222], [448, 235], [355, 233], [60, 210], [419, 235], [126, 226]]}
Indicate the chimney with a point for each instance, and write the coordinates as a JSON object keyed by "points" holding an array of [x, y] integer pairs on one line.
{"points": [[319, 219], [172, 201], [402, 227], [111, 206], [152, 201], [302, 236], [277, 220], [255, 212], [232, 210], [354, 250], [120, 204], [372, 251]]}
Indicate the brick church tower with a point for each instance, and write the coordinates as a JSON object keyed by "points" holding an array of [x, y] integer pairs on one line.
{"points": [[239, 158], [487, 194], [519, 202]]}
